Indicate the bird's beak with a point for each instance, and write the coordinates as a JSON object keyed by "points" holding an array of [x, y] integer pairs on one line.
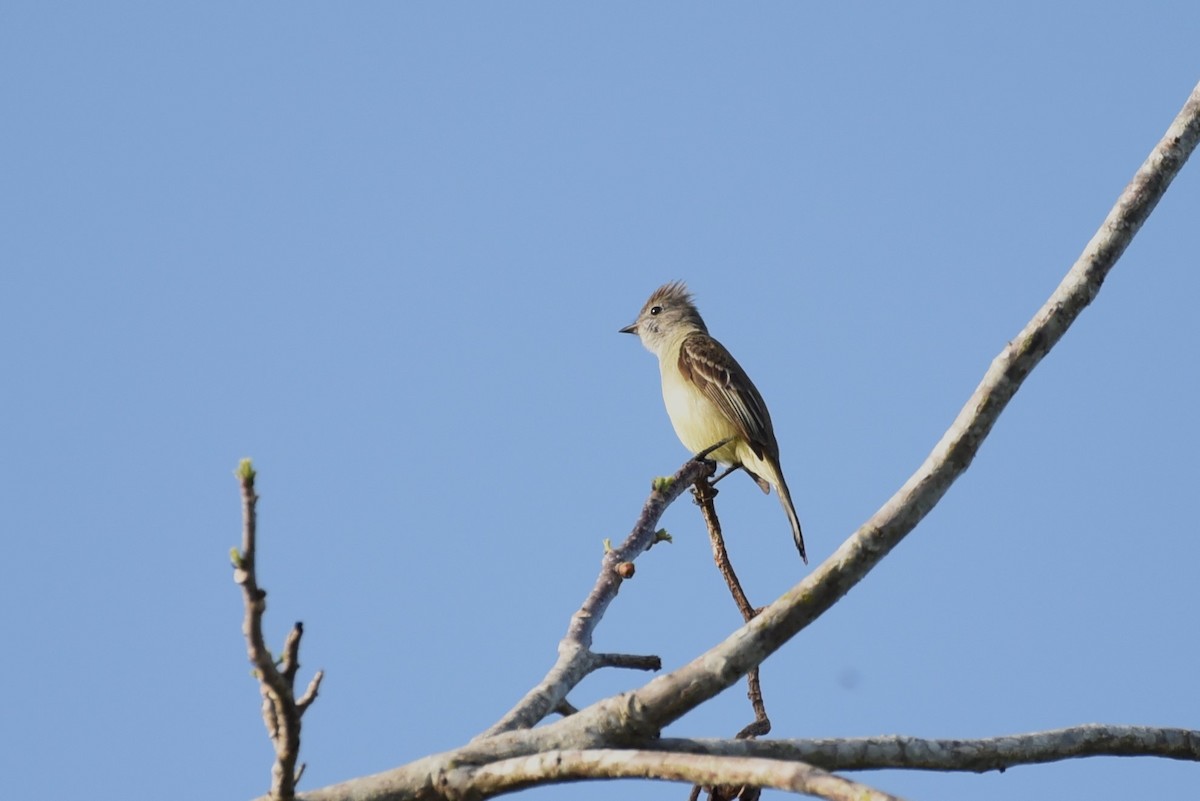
{"points": [[629, 329]]}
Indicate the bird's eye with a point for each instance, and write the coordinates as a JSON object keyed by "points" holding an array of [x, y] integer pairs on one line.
{"points": [[655, 310]]}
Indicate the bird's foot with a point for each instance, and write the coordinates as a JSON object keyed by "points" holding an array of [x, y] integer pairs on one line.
{"points": [[703, 455]]}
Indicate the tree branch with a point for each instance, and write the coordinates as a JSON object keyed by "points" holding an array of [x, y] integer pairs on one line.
{"points": [[575, 658], [281, 710], [564, 766], [706, 496], [426, 778], [976, 756]]}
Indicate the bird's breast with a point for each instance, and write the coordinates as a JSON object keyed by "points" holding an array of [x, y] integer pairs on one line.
{"points": [[698, 423]]}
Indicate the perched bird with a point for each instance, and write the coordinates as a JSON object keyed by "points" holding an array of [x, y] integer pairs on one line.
{"points": [[708, 395]]}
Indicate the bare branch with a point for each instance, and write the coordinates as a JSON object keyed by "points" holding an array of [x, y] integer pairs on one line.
{"points": [[426, 778], [976, 756], [563, 766], [575, 659], [281, 711], [706, 496]]}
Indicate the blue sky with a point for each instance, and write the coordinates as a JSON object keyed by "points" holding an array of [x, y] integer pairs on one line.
{"points": [[384, 249]]}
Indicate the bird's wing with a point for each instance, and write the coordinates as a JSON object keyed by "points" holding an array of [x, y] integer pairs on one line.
{"points": [[705, 362]]}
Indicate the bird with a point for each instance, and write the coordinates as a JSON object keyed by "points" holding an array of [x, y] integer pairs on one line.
{"points": [[708, 395]]}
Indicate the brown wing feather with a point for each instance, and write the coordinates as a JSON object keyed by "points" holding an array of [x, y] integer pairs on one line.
{"points": [[713, 369]]}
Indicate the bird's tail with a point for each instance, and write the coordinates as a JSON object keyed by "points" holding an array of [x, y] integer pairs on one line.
{"points": [[785, 500]]}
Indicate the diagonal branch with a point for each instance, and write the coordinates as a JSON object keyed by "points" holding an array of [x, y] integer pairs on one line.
{"points": [[706, 495]]}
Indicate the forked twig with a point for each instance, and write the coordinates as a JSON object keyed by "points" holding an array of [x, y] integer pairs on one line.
{"points": [[281, 710]]}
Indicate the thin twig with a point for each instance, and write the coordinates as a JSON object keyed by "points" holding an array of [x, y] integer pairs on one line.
{"points": [[706, 495], [281, 711], [575, 659]]}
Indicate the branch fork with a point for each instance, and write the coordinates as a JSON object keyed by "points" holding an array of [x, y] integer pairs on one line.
{"points": [[281, 709]]}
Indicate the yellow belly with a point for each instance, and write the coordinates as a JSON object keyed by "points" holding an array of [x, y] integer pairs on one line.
{"points": [[698, 423]]}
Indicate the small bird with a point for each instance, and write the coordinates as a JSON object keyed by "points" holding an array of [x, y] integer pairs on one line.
{"points": [[708, 395]]}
